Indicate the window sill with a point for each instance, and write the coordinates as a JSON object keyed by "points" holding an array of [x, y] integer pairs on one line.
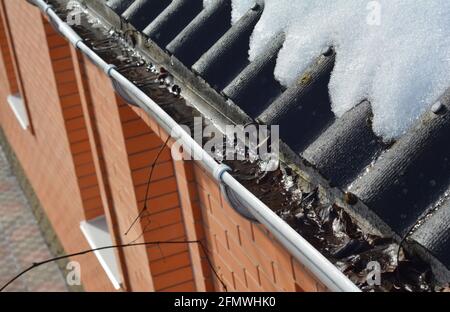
{"points": [[97, 234], [17, 105]]}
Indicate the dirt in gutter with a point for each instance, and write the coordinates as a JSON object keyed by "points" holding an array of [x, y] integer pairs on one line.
{"points": [[335, 234]]}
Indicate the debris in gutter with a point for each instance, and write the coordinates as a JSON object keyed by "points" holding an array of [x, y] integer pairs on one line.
{"points": [[334, 233]]}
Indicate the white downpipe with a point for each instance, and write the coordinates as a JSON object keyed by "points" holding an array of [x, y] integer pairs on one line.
{"points": [[310, 257]]}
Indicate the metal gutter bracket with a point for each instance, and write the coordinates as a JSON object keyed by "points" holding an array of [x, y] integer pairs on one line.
{"points": [[233, 199]]}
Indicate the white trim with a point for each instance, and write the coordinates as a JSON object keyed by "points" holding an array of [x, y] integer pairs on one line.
{"points": [[97, 234], [17, 105]]}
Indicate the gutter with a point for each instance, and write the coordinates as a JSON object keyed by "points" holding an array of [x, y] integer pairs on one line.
{"points": [[326, 272]]}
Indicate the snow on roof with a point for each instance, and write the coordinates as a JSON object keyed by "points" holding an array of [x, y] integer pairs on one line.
{"points": [[396, 53]]}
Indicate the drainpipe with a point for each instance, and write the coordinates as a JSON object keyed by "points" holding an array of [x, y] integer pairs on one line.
{"points": [[304, 252]]}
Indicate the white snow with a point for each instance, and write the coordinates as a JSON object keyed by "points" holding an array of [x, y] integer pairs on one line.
{"points": [[240, 7], [399, 59], [396, 53]]}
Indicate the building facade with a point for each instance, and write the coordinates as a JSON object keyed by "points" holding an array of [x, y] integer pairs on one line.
{"points": [[87, 155]]}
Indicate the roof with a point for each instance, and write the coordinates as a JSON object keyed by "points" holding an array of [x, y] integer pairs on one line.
{"points": [[405, 183]]}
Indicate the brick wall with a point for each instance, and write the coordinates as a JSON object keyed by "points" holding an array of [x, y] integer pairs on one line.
{"points": [[45, 154], [89, 154], [7, 65], [170, 266], [74, 121], [245, 255], [108, 121]]}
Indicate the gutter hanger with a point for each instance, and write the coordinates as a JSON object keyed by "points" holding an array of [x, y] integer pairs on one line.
{"points": [[311, 258]]}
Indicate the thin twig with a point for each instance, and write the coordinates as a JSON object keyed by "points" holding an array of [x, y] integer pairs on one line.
{"points": [[37, 264], [148, 186]]}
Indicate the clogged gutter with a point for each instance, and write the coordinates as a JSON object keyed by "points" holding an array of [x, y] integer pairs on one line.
{"points": [[334, 233], [325, 225]]}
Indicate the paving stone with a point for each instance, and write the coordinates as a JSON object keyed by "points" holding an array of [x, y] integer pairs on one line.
{"points": [[21, 242]]}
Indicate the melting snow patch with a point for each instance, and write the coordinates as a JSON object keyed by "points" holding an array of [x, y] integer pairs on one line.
{"points": [[396, 53], [240, 7]]}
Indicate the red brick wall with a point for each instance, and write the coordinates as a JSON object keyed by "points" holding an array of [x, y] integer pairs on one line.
{"points": [[195, 230], [100, 168], [75, 123], [170, 266], [247, 256], [90, 154], [177, 262], [45, 154], [129, 147], [108, 120], [7, 65]]}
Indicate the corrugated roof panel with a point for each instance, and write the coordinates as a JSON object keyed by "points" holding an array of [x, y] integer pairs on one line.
{"points": [[303, 111], [173, 20], [348, 138], [229, 55], [152, 8], [411, 175], [434, 234], [202, 33], [255, 87], [119, 6]]}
